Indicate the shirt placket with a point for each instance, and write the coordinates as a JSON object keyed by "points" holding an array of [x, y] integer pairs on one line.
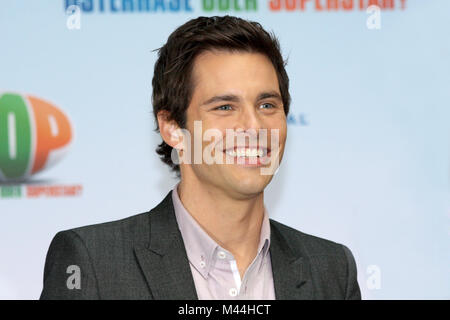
{"points": [[231, 273], [249, 276]]}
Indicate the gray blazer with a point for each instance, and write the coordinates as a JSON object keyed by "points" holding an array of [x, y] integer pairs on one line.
{"points": [[143, 257]]}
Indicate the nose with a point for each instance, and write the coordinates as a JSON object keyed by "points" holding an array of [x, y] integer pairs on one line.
{"points": [[247, 128], [249, 119]]}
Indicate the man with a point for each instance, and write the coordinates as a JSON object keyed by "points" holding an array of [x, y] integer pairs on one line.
{"points": [[211, 237]]}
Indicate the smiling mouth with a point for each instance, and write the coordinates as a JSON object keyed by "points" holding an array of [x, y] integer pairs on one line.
{"points": [[238, 152], [248, 157]]}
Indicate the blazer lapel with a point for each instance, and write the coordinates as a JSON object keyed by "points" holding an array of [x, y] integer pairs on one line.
{"points": [[165, 265], [291, 272], [164, 260]]}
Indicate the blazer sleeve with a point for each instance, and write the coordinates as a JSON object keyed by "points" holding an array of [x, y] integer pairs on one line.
{"points": [[68, 271], [352, 290]]}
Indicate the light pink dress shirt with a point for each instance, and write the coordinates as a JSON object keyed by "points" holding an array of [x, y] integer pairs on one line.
{"points": [[214, 269]]}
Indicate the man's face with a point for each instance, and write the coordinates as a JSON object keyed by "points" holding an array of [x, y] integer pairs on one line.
{"points": [[237, 91]]}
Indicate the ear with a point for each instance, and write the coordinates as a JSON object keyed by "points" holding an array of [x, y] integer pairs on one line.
{"points": [[169, 129]]}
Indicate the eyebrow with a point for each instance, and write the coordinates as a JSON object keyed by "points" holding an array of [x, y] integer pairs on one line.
{"points": [[235, 98]]}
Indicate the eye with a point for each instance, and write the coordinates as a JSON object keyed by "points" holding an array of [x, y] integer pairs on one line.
{"points": [[269, 106], [224, 107]]}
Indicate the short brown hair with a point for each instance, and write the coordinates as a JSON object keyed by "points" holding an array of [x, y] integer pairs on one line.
{"points": [[172, 85]]}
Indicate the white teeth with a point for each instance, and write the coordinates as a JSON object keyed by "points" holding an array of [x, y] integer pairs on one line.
{"points": [[249, 152], [231, 153], [260, 152]]}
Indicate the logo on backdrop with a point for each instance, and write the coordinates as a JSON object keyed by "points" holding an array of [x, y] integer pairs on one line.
{"points": [[237, 6], [34, 136]]}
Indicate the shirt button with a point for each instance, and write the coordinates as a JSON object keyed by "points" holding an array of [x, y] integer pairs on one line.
{"points": [[221, 255], [233, 292], [202, 264]]}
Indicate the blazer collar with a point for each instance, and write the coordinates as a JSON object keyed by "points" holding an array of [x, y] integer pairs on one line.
{"points": [[164, 260], [165, 265], [290, 268]]}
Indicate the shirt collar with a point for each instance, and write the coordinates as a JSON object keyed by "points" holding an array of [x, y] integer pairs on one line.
{"points": [[201, 249]]}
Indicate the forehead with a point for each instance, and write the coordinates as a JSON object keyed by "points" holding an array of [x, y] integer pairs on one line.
{"points": [[238, 72]]}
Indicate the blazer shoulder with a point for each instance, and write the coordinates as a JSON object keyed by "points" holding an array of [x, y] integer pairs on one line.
{"points": [[128, 229], [307, 243], [105, 238], [332, 264], [101, 252]]}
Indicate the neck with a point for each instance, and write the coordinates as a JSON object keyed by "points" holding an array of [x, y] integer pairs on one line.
{"points": [[235, 224]]}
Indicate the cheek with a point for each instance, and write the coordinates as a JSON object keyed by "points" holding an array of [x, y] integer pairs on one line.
{"points": [[281, 126], [283, 133]]}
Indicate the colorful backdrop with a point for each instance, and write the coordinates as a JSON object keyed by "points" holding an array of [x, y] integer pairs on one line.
{"points": [[367, 159]]}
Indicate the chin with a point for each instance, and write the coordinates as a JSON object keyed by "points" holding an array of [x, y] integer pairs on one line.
{"points": [[249, 184]]}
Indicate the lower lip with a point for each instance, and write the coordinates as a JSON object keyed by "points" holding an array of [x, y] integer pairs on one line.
{"points": [[249, 163]]}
